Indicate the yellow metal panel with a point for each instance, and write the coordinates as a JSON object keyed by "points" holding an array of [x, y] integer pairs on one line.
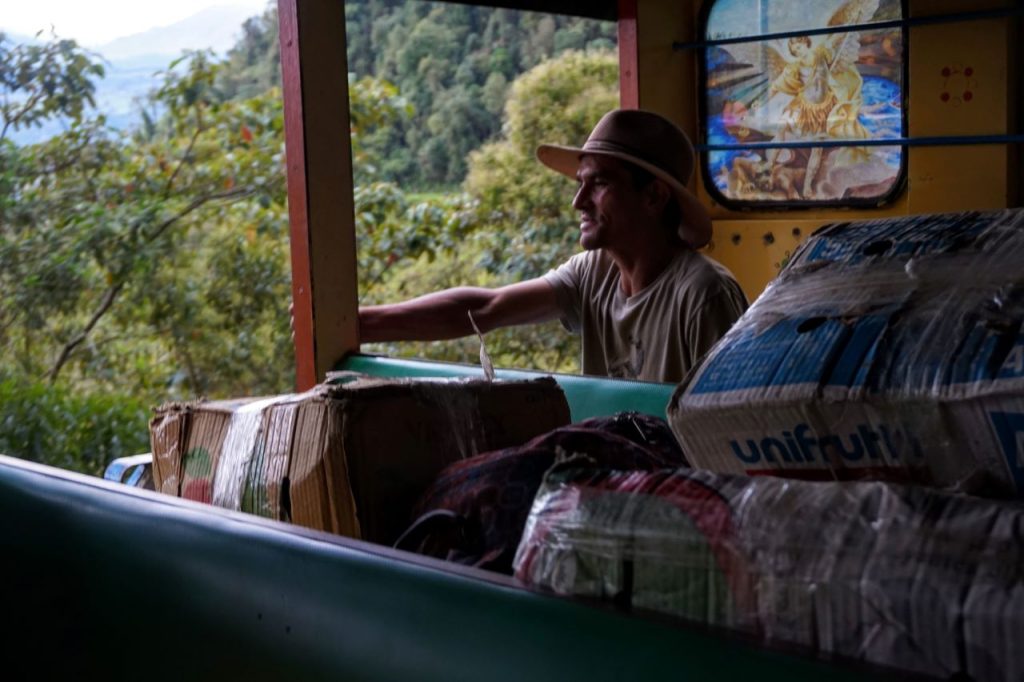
{"points": [[755, 250], [668, 77], [959, 86], [669, 84], [958, 178]]}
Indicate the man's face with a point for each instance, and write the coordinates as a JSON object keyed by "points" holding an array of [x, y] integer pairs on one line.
{"points": [[608, 202]]}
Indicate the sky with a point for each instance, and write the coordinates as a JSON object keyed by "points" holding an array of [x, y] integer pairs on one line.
{"points": [[95, 22]]}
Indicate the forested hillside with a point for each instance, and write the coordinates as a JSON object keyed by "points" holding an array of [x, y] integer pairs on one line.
{"points": [[150, 265], [453, 64]]}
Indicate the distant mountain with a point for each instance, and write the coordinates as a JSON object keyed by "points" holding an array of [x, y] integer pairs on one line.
{"points": [[217, 28], [132, 63], [19, 38]]}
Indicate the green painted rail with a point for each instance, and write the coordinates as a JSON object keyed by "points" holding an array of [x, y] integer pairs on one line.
{"points": [[102, 581], [587, 396]]}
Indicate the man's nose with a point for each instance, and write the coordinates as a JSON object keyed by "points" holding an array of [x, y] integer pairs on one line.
{"points": [[582, 198]]}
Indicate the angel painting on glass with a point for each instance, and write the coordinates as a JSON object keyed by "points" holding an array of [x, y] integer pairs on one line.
{"points": [[807, 88]]}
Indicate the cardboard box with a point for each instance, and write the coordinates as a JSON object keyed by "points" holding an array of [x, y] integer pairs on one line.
{"points": [[885, 349], [902, 576], [350, 459]]}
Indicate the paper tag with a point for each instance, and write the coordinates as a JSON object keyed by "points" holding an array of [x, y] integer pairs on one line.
{"points": [[485, 359]]}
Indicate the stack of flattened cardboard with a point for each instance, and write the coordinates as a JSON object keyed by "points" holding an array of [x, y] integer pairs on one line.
{"points": [[349, 459], [902, 576], [887, 349]]}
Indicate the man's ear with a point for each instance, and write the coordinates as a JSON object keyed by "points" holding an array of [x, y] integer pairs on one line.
{"points": [[657, 194]]}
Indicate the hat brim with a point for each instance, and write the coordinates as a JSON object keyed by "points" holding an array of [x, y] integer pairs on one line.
{"points": [[695, 229]]}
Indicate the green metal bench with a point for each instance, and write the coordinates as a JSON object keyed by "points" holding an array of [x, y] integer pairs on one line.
{"points": [[587, 396], [209, 593], [104, 581]]}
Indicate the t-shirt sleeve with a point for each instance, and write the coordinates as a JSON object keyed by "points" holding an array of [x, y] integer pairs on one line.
{"points": [[712, 320], [567, 281]]}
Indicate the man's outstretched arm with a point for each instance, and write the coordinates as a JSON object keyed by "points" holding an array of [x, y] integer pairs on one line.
{"points": [[443, 314]]}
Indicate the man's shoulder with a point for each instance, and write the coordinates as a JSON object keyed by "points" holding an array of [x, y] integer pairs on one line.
{"points": [[590, 263], [701, 270], [581, 273], [702, 279]]}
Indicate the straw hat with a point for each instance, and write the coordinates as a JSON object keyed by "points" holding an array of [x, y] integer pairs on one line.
{"points": [[651, 142]]}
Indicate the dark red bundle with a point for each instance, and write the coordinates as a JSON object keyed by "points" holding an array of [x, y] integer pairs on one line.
{"points": [[475, 511]]}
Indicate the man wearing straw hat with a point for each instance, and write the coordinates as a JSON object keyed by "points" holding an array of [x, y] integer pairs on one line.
{"points": [[646, 304]]}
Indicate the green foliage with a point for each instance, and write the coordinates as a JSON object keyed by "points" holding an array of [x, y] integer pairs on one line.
{"points": [[38, 82], [106, 236], [152, 265], [58, 425], [516, 219], [526, 207], [451, 63], [253, 65], [374, 105]]}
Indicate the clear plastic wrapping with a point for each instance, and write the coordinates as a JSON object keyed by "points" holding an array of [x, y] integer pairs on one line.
{"points": [[240, 460], [901, 576], [885, 349], [349, 458]]}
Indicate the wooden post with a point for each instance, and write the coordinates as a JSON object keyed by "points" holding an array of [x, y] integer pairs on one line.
{"points": [[320, 200], [629, 57]]}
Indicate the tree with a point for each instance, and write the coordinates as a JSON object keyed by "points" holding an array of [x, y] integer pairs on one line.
{"points": [[451, 63], [100, 215], [39, 82], [254, 63], [528, 208], [170, 241], [515, 218], [151, 265]]}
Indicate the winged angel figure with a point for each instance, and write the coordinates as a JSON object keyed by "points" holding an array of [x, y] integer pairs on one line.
{"points": [[813, 92]]}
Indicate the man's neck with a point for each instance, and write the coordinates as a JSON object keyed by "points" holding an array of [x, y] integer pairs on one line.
{"points": [[638, 270]]}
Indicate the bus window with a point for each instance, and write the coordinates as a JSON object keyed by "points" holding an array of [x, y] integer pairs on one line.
{"points": [[794, 105]]}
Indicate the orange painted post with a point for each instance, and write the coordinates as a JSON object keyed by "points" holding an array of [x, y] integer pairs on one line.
{"points": [[320, 200], [629, 57]]}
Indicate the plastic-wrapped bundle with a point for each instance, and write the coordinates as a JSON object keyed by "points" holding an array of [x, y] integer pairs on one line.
{"points": [[887, 349], [474, 511], [900, 576]]}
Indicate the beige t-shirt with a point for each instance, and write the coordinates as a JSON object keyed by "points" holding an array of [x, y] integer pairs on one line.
{"points": [[657, 334]]}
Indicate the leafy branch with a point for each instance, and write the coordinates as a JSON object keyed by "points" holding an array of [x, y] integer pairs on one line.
{"points": [[118, 282]]}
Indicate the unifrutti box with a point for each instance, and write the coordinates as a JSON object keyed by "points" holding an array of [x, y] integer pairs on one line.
{"points": [[887, 349], [348, 458], [906, 577]]}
